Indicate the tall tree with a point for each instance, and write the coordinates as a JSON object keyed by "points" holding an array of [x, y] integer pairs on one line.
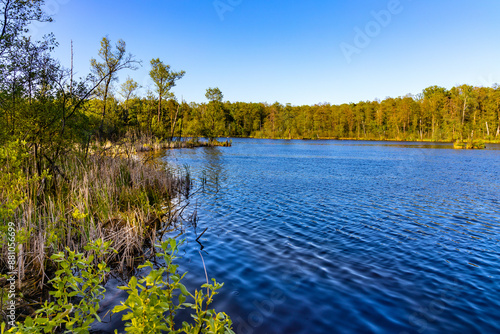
{"points": [[213, 114], [128, 88], [127, 92], [214, 94], [164, 79], [106, 71]]}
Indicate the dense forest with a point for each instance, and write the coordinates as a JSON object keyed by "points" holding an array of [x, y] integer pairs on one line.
{"points": [[41, 103], [437, 114]]}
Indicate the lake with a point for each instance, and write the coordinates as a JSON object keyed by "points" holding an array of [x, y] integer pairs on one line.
{"points": [[344, 236]]}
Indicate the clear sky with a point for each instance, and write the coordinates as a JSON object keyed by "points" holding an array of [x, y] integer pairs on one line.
{"points": [[299, 52]]}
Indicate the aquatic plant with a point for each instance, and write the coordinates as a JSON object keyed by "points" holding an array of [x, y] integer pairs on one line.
{"points": [[154, 300], [469, 145], [77, 292], [151, 306]]}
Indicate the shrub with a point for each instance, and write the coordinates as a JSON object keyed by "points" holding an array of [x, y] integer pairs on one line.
{"points": [[151, 306]]}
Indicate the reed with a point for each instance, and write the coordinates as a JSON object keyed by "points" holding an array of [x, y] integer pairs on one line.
{"points": [[469, 144], [146, 144], [113, 197]]}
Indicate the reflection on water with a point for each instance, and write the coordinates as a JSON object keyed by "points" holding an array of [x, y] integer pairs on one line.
{"points": [[330, 236]]}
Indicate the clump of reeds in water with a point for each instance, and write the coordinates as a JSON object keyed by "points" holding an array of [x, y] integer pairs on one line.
{"points": [[113, 198], [469, 144], [146, 144]]}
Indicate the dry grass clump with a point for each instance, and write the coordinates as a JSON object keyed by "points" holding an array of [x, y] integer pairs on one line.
{"points": [[114, 198], [146, 144]]}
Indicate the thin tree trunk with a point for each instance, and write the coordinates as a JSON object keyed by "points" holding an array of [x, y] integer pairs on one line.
{"points": [[432, 126], [101, 128], [71, 77], [159, 108], [463, 112], [180, 130], [421, 132], [173, 125]]}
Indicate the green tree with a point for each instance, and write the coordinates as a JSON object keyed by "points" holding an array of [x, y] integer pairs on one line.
{"points": [[214, 95], [213, 114], [164, 79], [106, 71], [14, 20], [128, 89]]}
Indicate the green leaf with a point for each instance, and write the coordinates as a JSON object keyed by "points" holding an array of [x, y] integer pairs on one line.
{"points": [[133, 282], [184, 291], [119, 308], [172, 244]]}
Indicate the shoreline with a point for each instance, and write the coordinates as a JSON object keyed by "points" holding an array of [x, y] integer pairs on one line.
{"points": [[367, 139], [134, 204]]}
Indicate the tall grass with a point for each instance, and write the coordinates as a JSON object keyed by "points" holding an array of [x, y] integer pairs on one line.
{"points": [[113, 198], [145, 144]]}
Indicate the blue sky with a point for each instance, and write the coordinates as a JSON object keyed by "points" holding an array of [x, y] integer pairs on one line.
{"points": [[299, 52]]}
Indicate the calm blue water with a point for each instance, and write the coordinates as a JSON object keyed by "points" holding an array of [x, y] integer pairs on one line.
{"points": [[346, 237]]}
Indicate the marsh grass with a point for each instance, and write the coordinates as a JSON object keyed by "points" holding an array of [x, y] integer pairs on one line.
{"points": [[107, 195], [470, 144], [146, 144]]}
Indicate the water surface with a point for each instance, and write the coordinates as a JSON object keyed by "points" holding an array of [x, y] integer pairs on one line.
{"points": [[346, 237]]}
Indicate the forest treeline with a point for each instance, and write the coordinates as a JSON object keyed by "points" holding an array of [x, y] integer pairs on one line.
{"points": [[43, 104], [437, 114]]}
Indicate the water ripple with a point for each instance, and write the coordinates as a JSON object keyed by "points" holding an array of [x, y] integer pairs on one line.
{"points": [[325, 237]]}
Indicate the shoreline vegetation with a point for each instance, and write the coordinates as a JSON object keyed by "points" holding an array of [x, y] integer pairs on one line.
{"points": [[457, 144], [72, 175], [374, 139], [113, 194], [110, 191]]}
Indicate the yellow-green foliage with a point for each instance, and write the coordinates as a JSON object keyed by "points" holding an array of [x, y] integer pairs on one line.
{"points": [[12, 179], [150, 307], [470, 145], [77, 292], [154, 300]]}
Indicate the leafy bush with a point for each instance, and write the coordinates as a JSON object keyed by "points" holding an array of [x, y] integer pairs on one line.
{"points": [[152, 303], [77, 292]]}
